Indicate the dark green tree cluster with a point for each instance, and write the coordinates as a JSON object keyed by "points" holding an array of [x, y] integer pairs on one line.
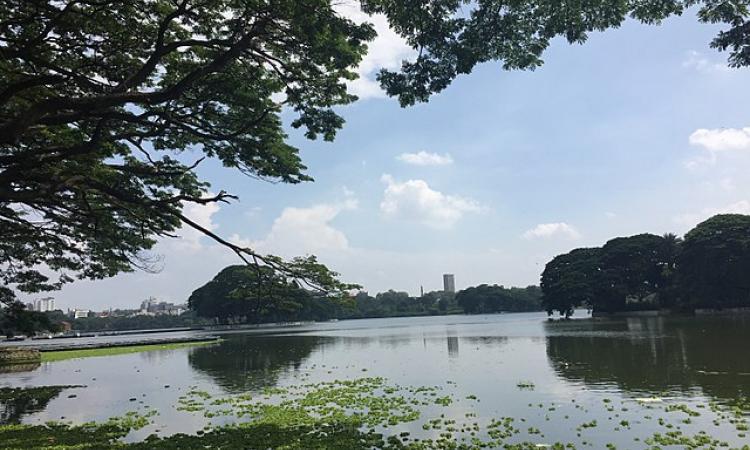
{"points": [[99, 101], [491, 299], [124, 323], [708, 269], [248, 294], [15, 320], [244, 294], [400, 304]]}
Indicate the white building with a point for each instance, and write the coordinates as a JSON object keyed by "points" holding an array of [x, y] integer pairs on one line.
{"points": [[152, 307], [79, 313], [41, 304]]}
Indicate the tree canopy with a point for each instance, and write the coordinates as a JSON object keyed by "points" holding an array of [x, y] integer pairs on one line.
{"points": [[630, 270], [454, 36], [708, 269], [714, 264], [248, 294], [103, 104], [568, 280], [100, 100], [491, 299]]}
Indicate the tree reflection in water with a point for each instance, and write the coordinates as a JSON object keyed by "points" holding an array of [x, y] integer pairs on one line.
{"points": [[242, 362], [656, 354], [18, 402]]}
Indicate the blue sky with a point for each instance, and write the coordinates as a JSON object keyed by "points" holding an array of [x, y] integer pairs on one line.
{"points": [[641, 129]]}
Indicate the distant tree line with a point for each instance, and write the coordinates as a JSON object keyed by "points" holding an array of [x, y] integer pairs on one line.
{"points": [[491, 299], [24, 322], [127, 323], [16, 320], [709, 268], [242, 294]]}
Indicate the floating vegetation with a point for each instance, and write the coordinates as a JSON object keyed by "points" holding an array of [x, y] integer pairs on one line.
{"points": [[370, 413]]}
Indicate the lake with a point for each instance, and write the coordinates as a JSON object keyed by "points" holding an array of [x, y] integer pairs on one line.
{"points": [[590, 382]]}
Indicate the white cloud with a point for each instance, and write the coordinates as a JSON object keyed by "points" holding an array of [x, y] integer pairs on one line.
{"points": [[190, 238], [721, 139], [424, 158], [698, 61], [550, 230], [610, 215], [717, 140], [386, 51], [689, 220], [414, 200], [300, 231]]}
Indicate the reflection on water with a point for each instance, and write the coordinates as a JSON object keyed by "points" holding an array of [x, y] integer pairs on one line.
{"points": [[484, 356], [452, 346], [17, 368], [16, 403], [242, 362], [655, 354]]}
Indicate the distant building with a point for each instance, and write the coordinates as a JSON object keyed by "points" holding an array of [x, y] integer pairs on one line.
{"points": [[449, 282], [152, 307], [41, 304], [79, 313]]}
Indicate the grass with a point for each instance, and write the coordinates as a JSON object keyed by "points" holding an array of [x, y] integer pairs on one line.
{"points": [[63, 355]]}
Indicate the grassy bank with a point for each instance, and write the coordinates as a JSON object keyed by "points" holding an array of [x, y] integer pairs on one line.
{"points": [[62, 355]]}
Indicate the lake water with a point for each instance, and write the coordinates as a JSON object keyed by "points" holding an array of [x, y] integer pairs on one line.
{"points": [[625, 374]]}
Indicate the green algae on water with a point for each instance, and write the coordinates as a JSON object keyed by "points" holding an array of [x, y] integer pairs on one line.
{"points": [[61, 355]]}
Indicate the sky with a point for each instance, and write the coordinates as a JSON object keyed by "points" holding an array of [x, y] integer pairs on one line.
{"points": [[641, 129]]}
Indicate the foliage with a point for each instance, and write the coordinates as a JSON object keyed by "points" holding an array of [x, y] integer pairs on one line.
{"points": [[568, 281], [15, 319], [55, 435], [99, 101], [630, 270], [124, 323], [490, 299], [715, 262], [368, 413], [258, 294], [244, 294], [453, 36], [399, 304], [708, 269]]}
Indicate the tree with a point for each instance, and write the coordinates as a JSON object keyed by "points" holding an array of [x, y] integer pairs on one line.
{"points": [[99, 100], [715, 262], [569, 281], [16, 319], [492, 299], [631, 270], [243, 293], [670, 251], [454, 36]]}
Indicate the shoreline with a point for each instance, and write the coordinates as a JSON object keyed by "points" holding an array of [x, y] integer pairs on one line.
{"points": [[35, 355]]}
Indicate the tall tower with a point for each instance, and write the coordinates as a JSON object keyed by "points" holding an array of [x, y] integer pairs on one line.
{"points": [[449, 282]]}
